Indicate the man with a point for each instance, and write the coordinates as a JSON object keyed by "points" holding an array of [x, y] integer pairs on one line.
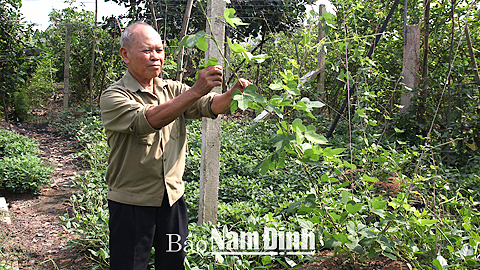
{"points": [[144, 119]]}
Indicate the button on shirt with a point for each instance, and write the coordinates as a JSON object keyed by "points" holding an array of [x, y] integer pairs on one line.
{"points": [[144, 161]]}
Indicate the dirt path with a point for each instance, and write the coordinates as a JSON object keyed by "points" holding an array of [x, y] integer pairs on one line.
{"points": [[35, 239]]}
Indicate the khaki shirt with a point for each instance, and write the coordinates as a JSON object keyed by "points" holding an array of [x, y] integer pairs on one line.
{"points": [[144, 161]]}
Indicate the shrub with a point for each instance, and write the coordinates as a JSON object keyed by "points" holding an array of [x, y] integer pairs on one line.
{"points": [[21, 170], [21, 106]]}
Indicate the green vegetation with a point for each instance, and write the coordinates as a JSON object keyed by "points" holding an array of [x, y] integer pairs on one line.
{"points": [[424, 220], [21, 169], [404, 185]]}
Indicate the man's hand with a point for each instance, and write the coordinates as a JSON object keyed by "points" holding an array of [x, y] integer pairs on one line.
{"points": [[240, 85], [208, 78], [221, 103]]}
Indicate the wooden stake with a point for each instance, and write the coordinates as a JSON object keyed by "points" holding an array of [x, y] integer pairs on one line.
{"points": [[66, 69]]}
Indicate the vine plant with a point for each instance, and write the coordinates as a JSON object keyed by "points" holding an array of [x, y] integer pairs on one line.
{"points": [[343, 208]]}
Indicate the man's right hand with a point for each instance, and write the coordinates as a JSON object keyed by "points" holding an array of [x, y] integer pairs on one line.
{"points": [[208, 78]]}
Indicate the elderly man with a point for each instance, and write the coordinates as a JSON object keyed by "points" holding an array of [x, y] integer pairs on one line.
{"points": [[144, 119]]}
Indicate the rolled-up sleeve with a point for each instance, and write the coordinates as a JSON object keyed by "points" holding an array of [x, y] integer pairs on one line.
{"points": [[122, 113], [201, 108]]}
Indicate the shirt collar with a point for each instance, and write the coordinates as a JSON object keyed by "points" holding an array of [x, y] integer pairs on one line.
{"points": [[133, 85]]}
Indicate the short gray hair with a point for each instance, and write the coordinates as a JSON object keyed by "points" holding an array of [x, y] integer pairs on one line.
{"points": [[127, 35]]}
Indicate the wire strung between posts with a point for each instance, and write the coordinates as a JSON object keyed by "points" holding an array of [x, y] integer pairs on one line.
{"points": [[352, 89], [425, 146]]}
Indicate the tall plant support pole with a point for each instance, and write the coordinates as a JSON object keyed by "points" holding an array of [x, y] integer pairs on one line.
{"points": [[321, 57], [92, 64], [154, 16], [369, 54], [211, 129], [472, 55], [411, 56], [186, 19], [66, 68]]}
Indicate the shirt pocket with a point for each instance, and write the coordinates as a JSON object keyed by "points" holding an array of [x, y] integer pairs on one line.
{"points": [[146, 139]]}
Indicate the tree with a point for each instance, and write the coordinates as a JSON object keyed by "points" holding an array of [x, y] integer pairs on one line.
{"points": [[18, 58], [108, 64], [263, 16]]}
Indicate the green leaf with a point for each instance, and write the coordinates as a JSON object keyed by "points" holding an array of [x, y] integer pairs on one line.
{"points": [[312, 104], [390, 255], [260, 58], [342, 238], [330, 152], [305, 224], [297, 123], [236, 48], [290, 262], [277, 85], [353, 207], [202, 44], [229, 15], [274, 109], [379, 205], [369, 178], [427, 222], [437, 264], [213, 61], [266, 260], [311, 135]]}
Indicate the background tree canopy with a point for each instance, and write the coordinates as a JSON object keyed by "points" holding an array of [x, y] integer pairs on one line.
{"points": [[18, 57], [269, 16]]}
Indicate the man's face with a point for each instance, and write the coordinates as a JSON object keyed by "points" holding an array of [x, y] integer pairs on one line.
{"points": [[144, 55]]}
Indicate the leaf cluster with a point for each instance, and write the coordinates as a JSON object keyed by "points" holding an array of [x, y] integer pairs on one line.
{"points": [[21, 169]]}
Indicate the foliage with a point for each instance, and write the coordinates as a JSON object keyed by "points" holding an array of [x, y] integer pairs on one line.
{"points": [[18, 57], [401, 185], [263, 16], [21, 106], [5, 266], [346, 207], [50, 74], [21, 169]]}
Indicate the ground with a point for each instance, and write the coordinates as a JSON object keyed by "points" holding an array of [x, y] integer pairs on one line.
{"points": [[35, 238]]}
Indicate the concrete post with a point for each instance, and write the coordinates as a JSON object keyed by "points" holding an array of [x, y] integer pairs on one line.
{"points": [[410, 71], [211, 129]]}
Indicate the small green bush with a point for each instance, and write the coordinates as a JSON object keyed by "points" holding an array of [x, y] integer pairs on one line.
{"points": [[21, 170], [21, 106]]}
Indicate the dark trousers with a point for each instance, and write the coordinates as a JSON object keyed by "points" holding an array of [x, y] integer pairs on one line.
{"points": [[135, 229]]}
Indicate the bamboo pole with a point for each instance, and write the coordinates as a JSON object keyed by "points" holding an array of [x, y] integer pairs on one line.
{"points": [[186, 19]]}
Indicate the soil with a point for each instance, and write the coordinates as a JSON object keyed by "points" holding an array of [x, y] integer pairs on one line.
{"points": [[36, 239]]}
